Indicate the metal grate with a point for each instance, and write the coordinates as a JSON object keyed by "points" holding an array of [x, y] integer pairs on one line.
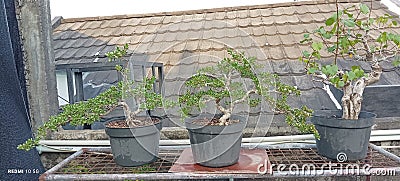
{"points": [[102, 163], [305, 156], [98, 164]]}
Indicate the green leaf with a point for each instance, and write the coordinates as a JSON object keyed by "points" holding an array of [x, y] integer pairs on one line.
{"points": [[359, 73], [351, 76], [330, 21], [334, 80], [306, 53], [354, 67], [330, 70], [340, 83], [317, 45], [382, 37], [332, 49], [394, 23], [364, 9], [349, 22], [333, 69], [396, 63], [307, 35], [312, 70]]}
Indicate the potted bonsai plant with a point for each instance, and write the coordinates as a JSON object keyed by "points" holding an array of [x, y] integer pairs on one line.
{"points": [[134, 140], [216, 139], [349, 33]]}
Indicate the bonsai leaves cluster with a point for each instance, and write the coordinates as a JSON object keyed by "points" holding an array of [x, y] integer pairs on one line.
{"points": [[80, 113], [143, 93], [217, 83], [87, 112], [352, 33]]}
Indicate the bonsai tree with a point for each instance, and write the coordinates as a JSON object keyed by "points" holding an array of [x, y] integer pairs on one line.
{"points": [[87, 112], [349, 34], [143, 93], [217, 84]]}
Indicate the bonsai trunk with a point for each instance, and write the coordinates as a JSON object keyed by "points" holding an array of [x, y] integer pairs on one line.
{"points": [[226, 116], [130, 116], [352, 93]]}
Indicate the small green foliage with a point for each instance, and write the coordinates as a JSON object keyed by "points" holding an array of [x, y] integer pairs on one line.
{"points": [[351, 29], [87, 112], [216, 83], [143, 93], [396, 62], [143, 169], [79, 113], [75, 169], [117, 53], [364, 9]]}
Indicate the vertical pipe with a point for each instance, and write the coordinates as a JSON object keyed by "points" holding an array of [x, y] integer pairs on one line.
{"points": [[70, 81], [161, 79], [153, 73], [79, 86]]}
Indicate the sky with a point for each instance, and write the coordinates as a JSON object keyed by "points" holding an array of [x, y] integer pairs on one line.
{"points": [[91, 8]]}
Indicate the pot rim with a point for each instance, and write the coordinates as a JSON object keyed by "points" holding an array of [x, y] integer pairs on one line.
{"points": [[159, 121], [325, 118]]}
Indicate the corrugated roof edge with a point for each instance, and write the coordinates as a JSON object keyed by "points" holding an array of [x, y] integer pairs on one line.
{"points": [[188, 12], [56, 21]]}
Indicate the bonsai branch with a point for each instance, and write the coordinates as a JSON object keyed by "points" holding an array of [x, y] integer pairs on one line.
{"points": [[131, 121]]}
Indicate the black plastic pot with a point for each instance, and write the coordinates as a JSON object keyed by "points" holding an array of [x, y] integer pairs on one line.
{"points": [[135, 146], [343, 139], [215, 146]]}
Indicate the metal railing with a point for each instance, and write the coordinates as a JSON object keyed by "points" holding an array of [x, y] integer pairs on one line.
{"points": [[76, 70]]}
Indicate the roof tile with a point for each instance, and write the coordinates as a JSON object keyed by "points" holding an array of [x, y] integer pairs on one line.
{"points": [[144, 21], [220, 16], [76, 26], [242, 14], [305, 18], [185, 41], [289, 10], [205, 44], [326, 8], [266, 12], [271, 30], [280, 19], [64, 26], [283, 29], [273, 40], [275, 52], [281, 67], [292, 52], [192, 45], [256, 21], [292, 18], [297, 67], [208, 34], [312, 9], [255, 13], [259, 41], [258, 31]]}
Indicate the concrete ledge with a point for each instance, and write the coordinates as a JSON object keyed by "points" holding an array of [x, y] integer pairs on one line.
{"points": [[168, 133], [181, 133]]}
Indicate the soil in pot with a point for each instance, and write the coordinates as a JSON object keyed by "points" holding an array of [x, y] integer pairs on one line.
{"points": [[134, 146], [214, 145], [341, 139]]}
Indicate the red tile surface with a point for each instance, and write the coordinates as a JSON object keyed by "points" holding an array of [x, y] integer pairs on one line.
{"points": [[249, 161]]}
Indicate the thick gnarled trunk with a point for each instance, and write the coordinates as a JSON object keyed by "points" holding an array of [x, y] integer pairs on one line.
{"points": [[353, 93]]}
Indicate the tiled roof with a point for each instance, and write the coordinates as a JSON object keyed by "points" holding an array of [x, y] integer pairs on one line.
{"points": [[187, 40]]}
